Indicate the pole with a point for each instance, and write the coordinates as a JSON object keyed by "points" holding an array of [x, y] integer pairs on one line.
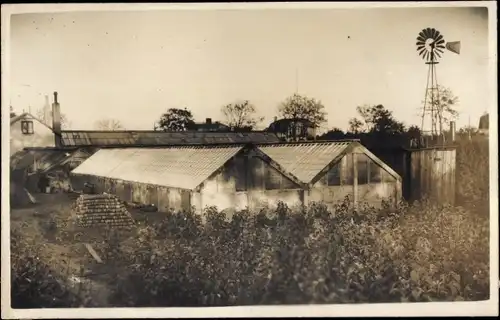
{"points": [[296, 80]]}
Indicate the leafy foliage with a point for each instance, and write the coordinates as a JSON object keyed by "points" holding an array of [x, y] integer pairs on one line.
{"points": [[34, 284], [309, 255], [241, 116], [376, 128], [473, 187], [176, 120], [303, 107], [444, 105], [376, 119]]}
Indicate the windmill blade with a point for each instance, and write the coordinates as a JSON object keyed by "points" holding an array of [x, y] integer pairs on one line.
{"points": [[441, 46], [420, 47], [426, 54], [440, 42], [439, 38], [440, 51], [422, 35], [434, 33], [422, 51], [437, 53], [421, 38], [453, 46], [427, 32]]}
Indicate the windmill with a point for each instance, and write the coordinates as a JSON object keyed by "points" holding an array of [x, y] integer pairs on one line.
{"points": [[431, 46]]}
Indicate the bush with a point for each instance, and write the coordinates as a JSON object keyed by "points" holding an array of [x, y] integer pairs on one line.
{"points": [[309, 255], [472, 175], [33, 283]]}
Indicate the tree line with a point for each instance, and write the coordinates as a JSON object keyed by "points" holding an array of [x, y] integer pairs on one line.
{"points": [[242, 115], [374, 122]]}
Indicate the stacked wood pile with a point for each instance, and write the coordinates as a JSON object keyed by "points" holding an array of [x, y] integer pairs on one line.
{"points": [[94, 210]]}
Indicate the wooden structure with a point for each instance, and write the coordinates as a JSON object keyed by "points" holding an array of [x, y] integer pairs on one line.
{"points": [[236, 176], [428, 173], [330, 171]]}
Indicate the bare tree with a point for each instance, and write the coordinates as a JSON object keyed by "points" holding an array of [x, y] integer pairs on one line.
{"points": [[65, 122], [241, 115], [302, 107], [109, 125], [443, 103]]}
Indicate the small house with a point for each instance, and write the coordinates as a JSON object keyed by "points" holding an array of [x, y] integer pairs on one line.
{"points": [[211, 126], [27, 130], [294, 129], [330, 171]]}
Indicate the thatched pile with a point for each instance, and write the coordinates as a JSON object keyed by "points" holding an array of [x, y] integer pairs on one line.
{"points": [[94, 210]]}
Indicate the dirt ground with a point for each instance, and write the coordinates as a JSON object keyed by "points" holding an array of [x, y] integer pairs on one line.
{"points": [[49, 224]]}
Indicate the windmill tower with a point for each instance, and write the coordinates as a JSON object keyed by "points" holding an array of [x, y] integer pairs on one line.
{"points": [[430, 46]]}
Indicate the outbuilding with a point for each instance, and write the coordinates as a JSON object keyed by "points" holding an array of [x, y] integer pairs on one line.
{"points": [[239, 176], [330, 171], [234, 176]]}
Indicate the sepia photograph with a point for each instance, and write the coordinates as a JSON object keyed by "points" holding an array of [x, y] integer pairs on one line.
{"points": [[282, 159]]}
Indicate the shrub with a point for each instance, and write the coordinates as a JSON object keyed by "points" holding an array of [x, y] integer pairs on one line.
{"points": [[310, 255], [34, 284], [472, 175]]}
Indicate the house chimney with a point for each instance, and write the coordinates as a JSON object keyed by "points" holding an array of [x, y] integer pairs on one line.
{"points": [[208, 121], [452, 131], [56, 121], [47, 114]]}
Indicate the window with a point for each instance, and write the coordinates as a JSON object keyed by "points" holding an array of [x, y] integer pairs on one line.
{"points": [[375, 172], [240, 174], [348, 174], [27, 127], [333, 175], [272, 179], [362, 163]]}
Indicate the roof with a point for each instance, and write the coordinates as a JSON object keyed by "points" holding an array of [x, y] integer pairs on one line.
{"points": [[305, 160], [152, 138], [46, 158], [176, 167], [24, 115]]}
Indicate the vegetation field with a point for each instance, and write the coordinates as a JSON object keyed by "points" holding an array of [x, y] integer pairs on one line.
{"points": [[285, 255]]}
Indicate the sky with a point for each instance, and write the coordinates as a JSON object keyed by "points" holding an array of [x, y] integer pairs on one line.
{"points": [[132, 66]]}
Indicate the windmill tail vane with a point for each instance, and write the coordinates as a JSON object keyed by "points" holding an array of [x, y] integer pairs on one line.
{"points": [[453, 47]]}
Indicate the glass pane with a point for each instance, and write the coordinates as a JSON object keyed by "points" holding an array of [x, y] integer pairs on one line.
{"points": [[348, 173], [362, 164], [334, 175], [375, 173], [240, 174], [272, 179]]}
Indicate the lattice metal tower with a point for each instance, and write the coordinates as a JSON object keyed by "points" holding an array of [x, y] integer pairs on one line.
{"points": [[430, 46]]}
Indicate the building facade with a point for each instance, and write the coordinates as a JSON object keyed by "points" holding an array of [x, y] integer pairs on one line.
{"points": [[28, 131], [235, 177]]}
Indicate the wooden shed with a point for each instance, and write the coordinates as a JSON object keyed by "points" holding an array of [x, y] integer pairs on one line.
{"points": [[428, 173]]}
